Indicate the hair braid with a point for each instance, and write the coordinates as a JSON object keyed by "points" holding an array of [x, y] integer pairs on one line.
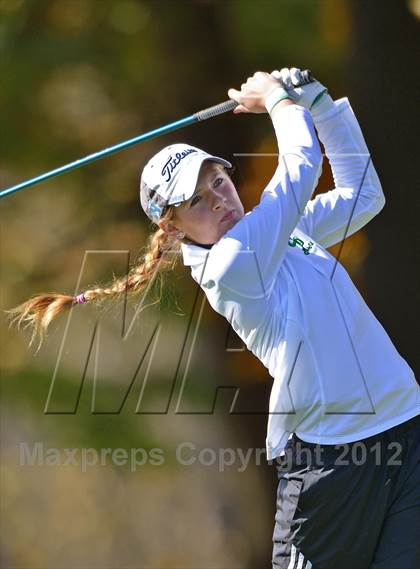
{"points": [[40, 310]]}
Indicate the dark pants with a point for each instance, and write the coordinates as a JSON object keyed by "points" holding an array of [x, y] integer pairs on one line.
{"points": [[354, 506]]}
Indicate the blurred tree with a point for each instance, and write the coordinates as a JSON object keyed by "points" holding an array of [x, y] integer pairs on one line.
{"points": [[382, 61]]}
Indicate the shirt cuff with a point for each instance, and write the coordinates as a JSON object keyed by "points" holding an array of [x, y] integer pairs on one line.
{"points": [[339, 106]]}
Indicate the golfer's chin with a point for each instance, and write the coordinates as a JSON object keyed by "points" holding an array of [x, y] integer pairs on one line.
{"points": [[230, 222], [222, 228]]}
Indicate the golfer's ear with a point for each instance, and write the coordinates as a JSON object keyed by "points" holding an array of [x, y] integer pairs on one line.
{"points": [[167, 226]]}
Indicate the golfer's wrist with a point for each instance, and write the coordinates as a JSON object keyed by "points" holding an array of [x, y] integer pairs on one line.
{"points": [[278, 98]]}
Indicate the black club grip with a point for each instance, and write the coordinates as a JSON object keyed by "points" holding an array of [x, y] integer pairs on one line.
{"points": [[216, 110], [229, 105]]}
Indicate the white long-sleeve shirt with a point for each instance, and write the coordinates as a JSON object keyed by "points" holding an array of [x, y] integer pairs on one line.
{"points": [[337, 376]]}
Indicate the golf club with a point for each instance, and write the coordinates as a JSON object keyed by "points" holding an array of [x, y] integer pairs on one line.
{"points": [[203, 115]]}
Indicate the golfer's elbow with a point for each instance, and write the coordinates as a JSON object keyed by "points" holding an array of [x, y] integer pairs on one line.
{"points": [[376, 195]]}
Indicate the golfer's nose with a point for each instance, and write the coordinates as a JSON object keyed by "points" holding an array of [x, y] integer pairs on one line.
{"points": [[218, 199]]}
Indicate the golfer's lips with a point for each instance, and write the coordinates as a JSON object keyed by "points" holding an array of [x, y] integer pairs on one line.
{"points": [[228, 215]]}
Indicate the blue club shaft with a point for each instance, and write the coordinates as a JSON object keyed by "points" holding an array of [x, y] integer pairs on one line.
{"points": [[101, 154]]}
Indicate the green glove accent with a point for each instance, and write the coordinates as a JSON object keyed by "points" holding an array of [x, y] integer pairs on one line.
{"points": [[277, 95], [318, 98]]}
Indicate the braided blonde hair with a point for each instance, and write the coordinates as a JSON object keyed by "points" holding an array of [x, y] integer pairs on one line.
{"points": [[38, 312]]}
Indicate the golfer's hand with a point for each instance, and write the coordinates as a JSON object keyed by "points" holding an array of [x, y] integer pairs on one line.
{"points": [[306, 95], [253, 93]]}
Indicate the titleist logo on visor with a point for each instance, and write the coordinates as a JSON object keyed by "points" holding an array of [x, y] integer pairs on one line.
{"points": [[172, 163]]}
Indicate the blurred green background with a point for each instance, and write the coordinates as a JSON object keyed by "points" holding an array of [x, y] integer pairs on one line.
{"points": [[79, 75]]}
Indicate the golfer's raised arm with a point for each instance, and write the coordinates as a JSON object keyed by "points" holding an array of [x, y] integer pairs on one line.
{"points": [[260, 240]]}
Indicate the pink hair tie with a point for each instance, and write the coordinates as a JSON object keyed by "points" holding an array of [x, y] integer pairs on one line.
{"points": [[80, 298]]}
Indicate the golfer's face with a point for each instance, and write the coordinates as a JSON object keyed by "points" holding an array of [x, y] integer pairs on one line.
{"points": [[201, 217]]}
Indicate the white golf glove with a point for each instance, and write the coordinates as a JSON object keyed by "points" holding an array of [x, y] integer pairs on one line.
{"points": [[309, 95]]}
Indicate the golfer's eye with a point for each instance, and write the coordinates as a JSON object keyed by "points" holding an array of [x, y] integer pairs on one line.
{"points": [[194, 200], [217, 182]]}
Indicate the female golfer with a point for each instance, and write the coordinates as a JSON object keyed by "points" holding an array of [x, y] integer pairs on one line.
{"points": [[344, 407]]}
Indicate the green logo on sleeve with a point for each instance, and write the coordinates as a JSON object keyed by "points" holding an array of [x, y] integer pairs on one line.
{"points": [[296, 241]]}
